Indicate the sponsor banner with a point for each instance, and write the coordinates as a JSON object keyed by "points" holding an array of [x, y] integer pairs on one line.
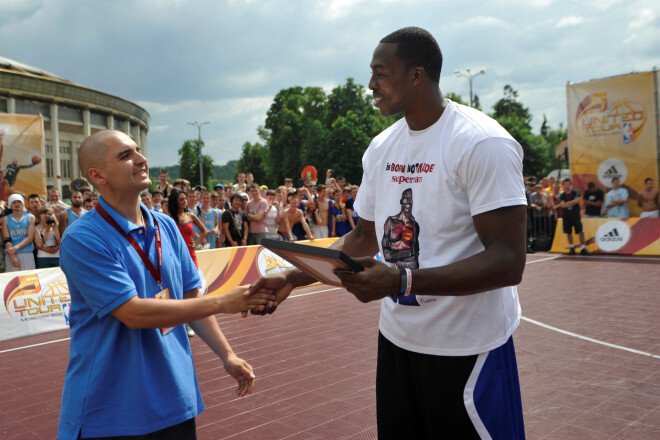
{"points": [[612, 133], [34, 302], [632, 236], [226, 268], [21, 154], [38, 301]]}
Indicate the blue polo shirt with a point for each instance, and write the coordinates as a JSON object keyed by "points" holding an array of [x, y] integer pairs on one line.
{"points": [[121, 381]]}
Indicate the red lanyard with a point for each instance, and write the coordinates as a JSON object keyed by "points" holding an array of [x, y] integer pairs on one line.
{"points": [[145, 258]]}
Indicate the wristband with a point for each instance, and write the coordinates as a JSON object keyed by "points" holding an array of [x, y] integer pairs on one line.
{"points": [[406, 282], [6, 240]]}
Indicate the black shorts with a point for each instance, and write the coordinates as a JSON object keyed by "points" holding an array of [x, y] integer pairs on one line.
{"points": [[572, 222], [422, 396], [183, 431]]}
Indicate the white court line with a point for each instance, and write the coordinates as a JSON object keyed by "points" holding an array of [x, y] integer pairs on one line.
{"points": [[531, 321], [586, 338], [543, 259], [33, 345]]}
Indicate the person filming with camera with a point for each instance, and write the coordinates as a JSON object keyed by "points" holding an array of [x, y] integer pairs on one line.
{"points": [[47, 239]]}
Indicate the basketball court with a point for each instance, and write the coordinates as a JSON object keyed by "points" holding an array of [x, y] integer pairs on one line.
{"points": [[588, 352]]}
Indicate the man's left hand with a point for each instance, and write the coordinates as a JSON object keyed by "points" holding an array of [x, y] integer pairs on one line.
{"points": [[242, 372], [376, 281]]}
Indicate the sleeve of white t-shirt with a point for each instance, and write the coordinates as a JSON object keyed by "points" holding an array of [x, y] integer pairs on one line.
{"points": [[491, 175], [364, 204]]}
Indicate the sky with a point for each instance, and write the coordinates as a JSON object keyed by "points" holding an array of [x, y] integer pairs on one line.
{"points": [[223, 61]]}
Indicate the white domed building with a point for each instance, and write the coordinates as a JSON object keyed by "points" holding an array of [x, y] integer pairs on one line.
{"points": [[71, 112]]}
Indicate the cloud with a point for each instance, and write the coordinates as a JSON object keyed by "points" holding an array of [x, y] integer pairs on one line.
{"points": [[570, 20]]}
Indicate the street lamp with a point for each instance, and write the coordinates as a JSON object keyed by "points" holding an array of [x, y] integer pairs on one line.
{"points": [[199, 148], [469, 76]]}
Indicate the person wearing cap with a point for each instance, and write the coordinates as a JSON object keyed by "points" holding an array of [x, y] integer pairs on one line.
{"points": [[18, 236]]}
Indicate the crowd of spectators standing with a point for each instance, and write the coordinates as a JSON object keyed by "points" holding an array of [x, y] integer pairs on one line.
{"points": [[245, 212], [548, 200]]}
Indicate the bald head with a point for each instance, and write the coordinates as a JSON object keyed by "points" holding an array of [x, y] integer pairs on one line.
{"points": [[93, 150]]}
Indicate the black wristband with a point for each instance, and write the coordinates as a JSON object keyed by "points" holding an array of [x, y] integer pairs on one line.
{"points": [[404, 281]]}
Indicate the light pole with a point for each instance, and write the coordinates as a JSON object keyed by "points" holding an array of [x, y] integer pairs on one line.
{"points": [[199, 149], [469, 76]]}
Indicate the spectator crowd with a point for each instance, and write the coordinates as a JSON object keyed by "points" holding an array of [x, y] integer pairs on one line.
{"points": [[245, 212], [549, 200], [237, 214]]}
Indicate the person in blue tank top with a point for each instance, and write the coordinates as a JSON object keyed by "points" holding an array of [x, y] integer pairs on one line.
{"points": [[72, 213], [209, 217], [18, 236]]}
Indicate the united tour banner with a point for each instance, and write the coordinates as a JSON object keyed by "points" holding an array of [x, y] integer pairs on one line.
{"points": [[21, 152], [612, 133], [38, 301]]}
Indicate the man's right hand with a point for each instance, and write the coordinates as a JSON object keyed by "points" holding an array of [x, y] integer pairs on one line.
{"points": [[237, 300], [278, 284]]}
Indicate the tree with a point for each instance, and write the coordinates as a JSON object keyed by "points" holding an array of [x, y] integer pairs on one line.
{"points": [[189, 163], [516, 119], [307, 127], [254, 159]]}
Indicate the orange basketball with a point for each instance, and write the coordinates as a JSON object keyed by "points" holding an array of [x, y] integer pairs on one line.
{"points": [[36, 159]]}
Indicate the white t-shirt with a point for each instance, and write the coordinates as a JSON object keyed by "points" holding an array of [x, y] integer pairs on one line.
{"points": [[463, 165]]}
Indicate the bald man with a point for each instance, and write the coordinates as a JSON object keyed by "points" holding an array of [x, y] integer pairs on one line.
{"points": [[130, 371]]}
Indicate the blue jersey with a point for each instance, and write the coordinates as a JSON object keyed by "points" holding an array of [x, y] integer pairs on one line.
{"points": [[18, 231], [122, 381]]}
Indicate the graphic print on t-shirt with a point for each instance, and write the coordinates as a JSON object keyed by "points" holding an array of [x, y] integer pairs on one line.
{"points": [[401, 241]]}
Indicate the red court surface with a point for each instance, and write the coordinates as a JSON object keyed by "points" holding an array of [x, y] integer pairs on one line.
{"points": [[588, 351]]}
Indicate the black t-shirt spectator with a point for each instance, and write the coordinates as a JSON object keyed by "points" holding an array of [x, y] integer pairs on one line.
{"points": [[593, 196], [236, 220], [571, 211]]}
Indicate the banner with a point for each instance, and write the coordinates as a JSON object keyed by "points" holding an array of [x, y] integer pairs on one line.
{"points": [[35, 301], [21, 154], [38, 301], [612, 133], [226, 268], [632, 236]]}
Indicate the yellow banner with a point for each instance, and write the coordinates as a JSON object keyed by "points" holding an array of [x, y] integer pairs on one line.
{"points": [[612, 133], [21, 153], [631, 236]]}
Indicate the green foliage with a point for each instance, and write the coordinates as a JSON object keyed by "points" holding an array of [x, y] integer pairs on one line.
{"points": [[306, 126], [538, 149], [189, 163], [254, 159]]}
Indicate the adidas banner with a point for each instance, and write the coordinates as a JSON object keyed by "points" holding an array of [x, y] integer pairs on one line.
{"points": [[612, 132], [631, 236]]}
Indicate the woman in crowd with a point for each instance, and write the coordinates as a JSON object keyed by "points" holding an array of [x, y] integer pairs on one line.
{"points": [[274, 214], [47, 239], [184, 219]]}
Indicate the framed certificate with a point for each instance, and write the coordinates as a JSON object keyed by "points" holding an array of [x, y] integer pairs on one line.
{"points": [[316, 261]]}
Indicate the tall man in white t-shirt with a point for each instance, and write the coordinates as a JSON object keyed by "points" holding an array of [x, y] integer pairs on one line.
{"points": [[446, 362]]}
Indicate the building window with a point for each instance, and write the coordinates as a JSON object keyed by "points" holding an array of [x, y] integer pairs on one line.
{"points": [[65, 165], [66, 192], [98, 119], [70, 114], [32, 108], [3, 106], [49, 148], [133, 131], [49, 168], [120, 124]]}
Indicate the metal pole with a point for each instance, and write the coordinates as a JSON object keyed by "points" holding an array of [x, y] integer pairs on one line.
{"points": [[199, 149], [470, 76]]}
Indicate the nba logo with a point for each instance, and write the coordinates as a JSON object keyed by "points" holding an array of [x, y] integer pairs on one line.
{"points": [[628, 134]]}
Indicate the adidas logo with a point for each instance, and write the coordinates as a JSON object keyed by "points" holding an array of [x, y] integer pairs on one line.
{"points": [[611, 173], [613, 235]]}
